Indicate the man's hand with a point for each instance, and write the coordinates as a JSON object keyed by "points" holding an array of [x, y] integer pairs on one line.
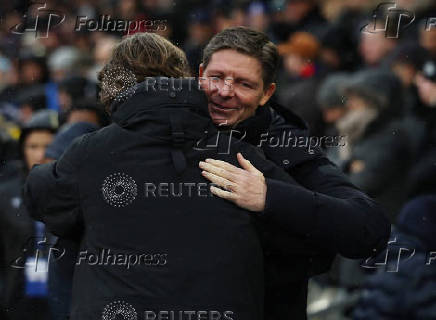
{"points": [[245, 187]]}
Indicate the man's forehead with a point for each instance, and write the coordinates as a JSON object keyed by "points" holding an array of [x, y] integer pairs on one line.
{"points": [[238, 64]]}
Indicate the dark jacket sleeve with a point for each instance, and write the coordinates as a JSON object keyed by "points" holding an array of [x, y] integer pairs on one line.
{"points": [[323, 206], [51, 193]]}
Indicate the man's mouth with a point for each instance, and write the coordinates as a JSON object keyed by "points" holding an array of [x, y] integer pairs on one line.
{"points": [[221, 108]]}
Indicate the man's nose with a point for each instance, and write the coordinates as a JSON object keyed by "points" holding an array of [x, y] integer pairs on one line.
{"points": [[227, 90]]}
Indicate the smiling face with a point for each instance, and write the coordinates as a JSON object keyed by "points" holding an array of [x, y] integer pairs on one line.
{"points": [[233, 83]]}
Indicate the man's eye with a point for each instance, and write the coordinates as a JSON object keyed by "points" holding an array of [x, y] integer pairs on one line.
{"points": [[247, 85]]}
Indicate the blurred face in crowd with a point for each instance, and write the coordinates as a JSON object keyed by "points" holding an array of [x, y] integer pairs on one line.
{"points": [[127, 8], [34, 146], [199, 33], [258, 21], [31, 72], [294, 64], [297, 10], [103, 49], [427, 90], [65, 99], [234, 86], [374, 47]]}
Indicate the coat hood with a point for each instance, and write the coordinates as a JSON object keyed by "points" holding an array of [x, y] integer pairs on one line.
{"points": [[168, 109], [159, 92]]}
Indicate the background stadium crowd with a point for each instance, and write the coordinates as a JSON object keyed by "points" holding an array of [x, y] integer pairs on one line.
{"points": [[342, 71]]}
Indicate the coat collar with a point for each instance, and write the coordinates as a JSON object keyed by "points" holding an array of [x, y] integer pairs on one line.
{"points": [[155, 93]]}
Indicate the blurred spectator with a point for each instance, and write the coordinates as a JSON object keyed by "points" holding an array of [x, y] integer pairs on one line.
{"points": [[300, 78], [30, 99], [299, 15], [374, 47], [341, 39], [36, 135], [62, 62], [199, 34], [8, 88], [427, 39], [257, 18], [335, 50], [72, 91], [8, 142], [5, 69], [332, 101], [425, 82], [9, 42], [33, 70], [87, 111], [24, 295], [405, 62], [405, 287], [331, 97], [423, 175], [127, 9], [377, 153], [102, 53], [229, 15], [333, 9], [299, 55]]}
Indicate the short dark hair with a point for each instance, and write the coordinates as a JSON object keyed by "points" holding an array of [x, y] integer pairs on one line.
{"points": [[247, 41]]}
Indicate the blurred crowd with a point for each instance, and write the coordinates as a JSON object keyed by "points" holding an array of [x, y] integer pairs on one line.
{"points": [[342, 71]]}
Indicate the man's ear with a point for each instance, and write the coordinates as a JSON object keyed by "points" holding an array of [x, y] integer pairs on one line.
{"points": [[200, 70], [267, 93]]}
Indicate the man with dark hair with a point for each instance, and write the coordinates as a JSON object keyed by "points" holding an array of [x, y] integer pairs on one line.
{"points": [[308, 222]]}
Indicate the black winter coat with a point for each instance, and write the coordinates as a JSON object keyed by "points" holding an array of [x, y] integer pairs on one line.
{"points": [[16, 230], [152, 238], [306, 224], [18, 242]]}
